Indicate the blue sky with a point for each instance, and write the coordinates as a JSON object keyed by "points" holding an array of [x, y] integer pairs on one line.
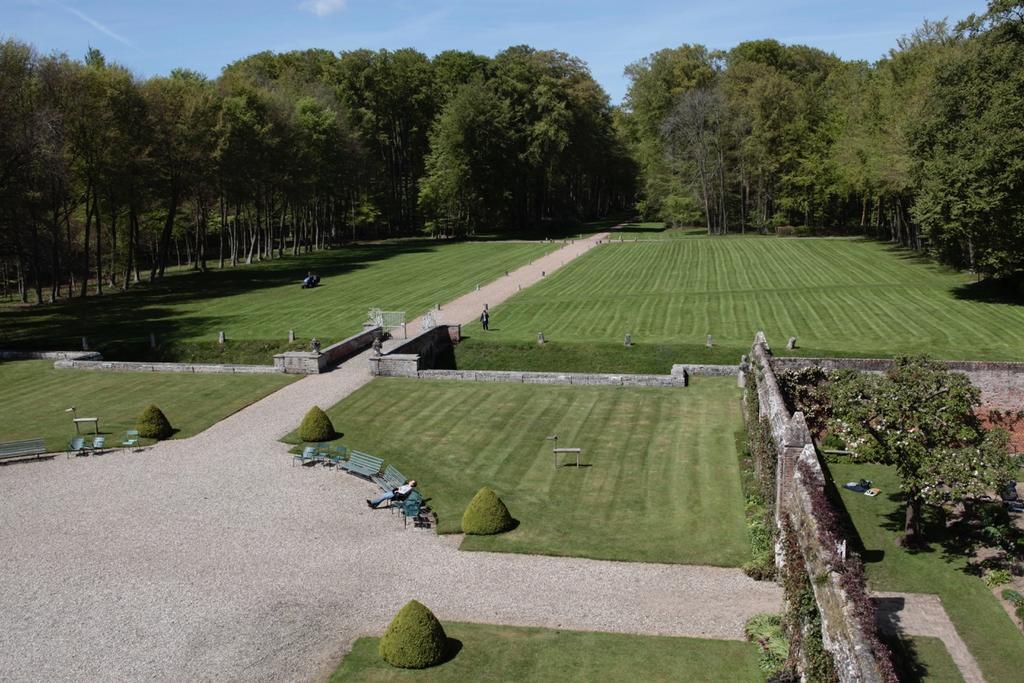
{"points": [[154, 36]]}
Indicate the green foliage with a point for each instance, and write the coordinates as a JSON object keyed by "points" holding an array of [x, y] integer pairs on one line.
{"points": [[486, 514], [757, 475], [802, 621], [414, 639], [997, 577], [920, 417], [994, 641], [153, 424], [1017, 600], [316, 426], [766, 631]]}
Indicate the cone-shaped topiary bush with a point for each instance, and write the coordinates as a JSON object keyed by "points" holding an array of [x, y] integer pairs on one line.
{"points": [[415, 638], [316, 426], [153, 424], [486, 514]]}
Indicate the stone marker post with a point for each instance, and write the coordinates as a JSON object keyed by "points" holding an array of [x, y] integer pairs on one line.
{"points": [[85, 343], [220, 337], [540, 339], [629, 340], [709, 342], [291, 336], [791, 344], [152, 340]]}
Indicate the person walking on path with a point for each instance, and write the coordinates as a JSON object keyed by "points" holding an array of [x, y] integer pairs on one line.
{"points": [[485, 318]]}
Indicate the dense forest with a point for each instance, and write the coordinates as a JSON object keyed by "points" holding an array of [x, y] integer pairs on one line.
{"points": [[108, 179], [924, 147]]}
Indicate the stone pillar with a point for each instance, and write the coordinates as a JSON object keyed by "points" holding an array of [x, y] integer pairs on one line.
{"points": [[220, 337]]}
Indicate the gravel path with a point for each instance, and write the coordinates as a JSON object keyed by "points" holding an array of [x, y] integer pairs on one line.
{"points": [[920, 614], [212, 559]]}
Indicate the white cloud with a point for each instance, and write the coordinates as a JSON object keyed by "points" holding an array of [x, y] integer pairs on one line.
{"points": [[322, 8]]}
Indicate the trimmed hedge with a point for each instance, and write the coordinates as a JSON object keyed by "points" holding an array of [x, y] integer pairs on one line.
{"points": [[486, 514], [153, 424], [414, 639], [316, 426]]}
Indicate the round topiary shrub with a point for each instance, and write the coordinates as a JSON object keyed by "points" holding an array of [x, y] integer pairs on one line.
{"points": [[316, 426], [153, 424], [486, 514], [415, 638]]}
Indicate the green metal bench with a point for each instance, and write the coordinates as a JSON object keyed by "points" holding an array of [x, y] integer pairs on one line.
{"points": [[390, 480], [335, 455], [22, 449], [363, 464], [309, 454]]}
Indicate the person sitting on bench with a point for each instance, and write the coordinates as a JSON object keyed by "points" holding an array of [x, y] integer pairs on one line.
{"points": [[401, 493]]}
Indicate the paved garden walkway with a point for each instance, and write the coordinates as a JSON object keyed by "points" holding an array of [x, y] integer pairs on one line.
{"points": [[212, 558], [920, 614]]}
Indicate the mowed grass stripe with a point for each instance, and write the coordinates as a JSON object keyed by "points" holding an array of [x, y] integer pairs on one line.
{"points": [[661, 482], [840, 296]]}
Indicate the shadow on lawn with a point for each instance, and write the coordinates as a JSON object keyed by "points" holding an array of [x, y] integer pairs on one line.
{"points": [[1005, 291], [127, 317]]}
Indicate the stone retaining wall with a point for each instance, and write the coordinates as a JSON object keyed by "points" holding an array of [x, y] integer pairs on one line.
{"points": [[50, 355], [197, 368], [842, 633], [310, 363], [429, 350], [1001, 384], [705, 370], [580, 379]]}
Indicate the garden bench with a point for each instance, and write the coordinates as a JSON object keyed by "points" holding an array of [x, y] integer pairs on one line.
{"points": [[22, 449], [334, 455], [309, 454], [390, 480], [570, 451], [363, 464]]}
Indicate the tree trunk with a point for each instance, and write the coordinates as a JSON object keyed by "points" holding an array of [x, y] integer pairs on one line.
{"points": [[99, 249], [912, 523], [85, 255], [165, 236]]}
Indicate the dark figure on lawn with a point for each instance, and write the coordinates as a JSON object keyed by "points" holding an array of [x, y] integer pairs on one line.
{"points": [[311, 280], [485, 319], [401, 493]]}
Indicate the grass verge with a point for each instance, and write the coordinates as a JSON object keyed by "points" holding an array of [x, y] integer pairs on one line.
{"points": [[509, 653]]}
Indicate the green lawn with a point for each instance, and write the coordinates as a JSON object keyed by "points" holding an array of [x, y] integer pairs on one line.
{"points": [[845, 297], [661, 481], [35, 395], [509, 653], [996, 643], [922, 658], [258, 304]]}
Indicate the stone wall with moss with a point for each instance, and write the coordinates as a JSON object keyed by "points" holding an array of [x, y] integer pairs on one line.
{"points": [[809, 528]]}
